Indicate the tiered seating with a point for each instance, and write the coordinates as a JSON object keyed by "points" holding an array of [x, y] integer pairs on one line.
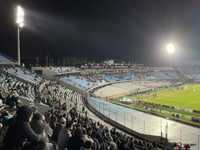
{"points": [[192, 72], [129, 76], [4, 59], [113, 77], [24, 74], [182, 63], [79, 82], [102, 82], [160, 75], [172, 75], [192, 76], [63, 93], [64, 69], [109, 78], [194, 69], [9, 84], [147, 75]]}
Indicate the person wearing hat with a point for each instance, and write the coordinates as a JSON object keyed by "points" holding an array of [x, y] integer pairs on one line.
{"points": [[64, 135], [39, 126], [21, 136]]}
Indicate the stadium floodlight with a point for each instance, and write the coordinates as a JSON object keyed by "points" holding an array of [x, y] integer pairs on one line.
{"points": [[20, 16], [20, 24], [171, 50]]}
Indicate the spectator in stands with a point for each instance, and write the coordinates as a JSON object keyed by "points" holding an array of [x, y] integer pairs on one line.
{"points": [[112, 145], [1, 107], [75, 142], [87, 146], [64, 135], [57, 129], [52, 121], [38, 125], [5, 118], [20, 134], [2, 112], [85, 136], [39, 98], [2, 97], [35, 110], [96, 145]]}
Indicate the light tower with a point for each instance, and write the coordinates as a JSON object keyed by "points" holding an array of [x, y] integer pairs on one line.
{"points": [[20, 24], [170, 49]]}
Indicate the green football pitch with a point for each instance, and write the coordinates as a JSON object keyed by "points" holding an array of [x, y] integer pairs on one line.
{"points": [[185, 96]]}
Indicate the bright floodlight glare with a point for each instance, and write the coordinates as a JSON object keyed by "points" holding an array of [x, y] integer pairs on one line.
{"points": [[170, 48], [20, 17]]}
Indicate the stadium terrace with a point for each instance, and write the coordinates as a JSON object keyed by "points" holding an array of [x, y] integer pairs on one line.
{"points": [[99, 106]]}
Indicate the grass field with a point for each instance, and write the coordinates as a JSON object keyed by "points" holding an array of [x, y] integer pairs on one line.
{"points": [[186, 96]]}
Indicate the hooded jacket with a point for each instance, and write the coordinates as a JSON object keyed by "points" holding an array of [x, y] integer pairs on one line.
{"points": [[20, 132]]}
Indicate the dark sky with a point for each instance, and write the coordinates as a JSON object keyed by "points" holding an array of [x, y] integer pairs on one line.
{"points": [[131, 29]]}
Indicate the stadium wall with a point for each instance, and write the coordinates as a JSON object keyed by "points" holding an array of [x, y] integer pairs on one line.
{"points": [[45, 72], [119, 126], [8, 63]]}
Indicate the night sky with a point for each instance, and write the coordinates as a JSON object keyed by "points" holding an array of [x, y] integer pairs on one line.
{"points": [[136, 30]]}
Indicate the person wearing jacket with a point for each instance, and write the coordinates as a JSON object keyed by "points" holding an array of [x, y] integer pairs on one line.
{"points": [[20, 136], [75, 142], [39, 126], [64, 135]]}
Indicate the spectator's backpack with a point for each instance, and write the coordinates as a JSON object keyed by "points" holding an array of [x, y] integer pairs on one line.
{"points": [[4, 130]]}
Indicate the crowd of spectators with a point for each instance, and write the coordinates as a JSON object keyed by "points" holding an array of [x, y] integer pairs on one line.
{"points": [[67, 130], [16, 88], [64, 129], [22, 73]]}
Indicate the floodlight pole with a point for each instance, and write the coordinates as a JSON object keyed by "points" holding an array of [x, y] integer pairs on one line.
{"points": [[170, 61], [18, 45], [170, 49], [20, 24]]}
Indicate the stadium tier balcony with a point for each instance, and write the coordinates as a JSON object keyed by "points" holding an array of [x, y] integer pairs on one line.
{"points": [[79, 82], [182, 63], [23, 74], [11, 84], [193, 76], [4, 59], [160, 75], [64, 69], [173, 75], [113, 77], [109, 77], [194, 69]]}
